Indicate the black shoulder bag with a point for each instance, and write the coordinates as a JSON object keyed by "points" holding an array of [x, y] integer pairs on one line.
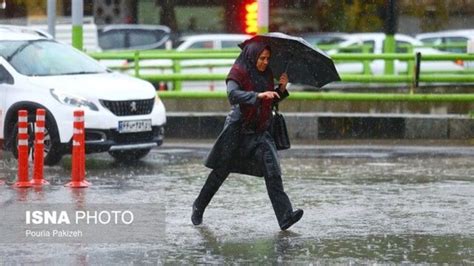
{"points": [[278, 130]]}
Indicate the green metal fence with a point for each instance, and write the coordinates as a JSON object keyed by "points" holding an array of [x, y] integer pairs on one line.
{"points": [[332, 96], [174, 66], [176, 58]]}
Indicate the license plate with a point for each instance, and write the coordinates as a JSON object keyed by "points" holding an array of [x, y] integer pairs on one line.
{"points": [[134, 126]]}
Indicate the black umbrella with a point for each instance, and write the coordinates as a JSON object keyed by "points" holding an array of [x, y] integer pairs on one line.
{"points": [[303, 63]]}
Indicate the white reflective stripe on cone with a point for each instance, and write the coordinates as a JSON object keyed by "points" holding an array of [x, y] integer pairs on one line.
{"points": [[22, 142], [22, 130], [76, 143], [39, 141], [79, 119], [39, 129], [22, 119], [40, 118], [78, 131]]}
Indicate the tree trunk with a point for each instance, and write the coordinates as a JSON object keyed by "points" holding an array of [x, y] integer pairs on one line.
{"points": [[167, 14], [231, 14]]}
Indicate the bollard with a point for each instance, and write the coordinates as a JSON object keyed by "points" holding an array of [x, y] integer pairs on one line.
{"points": [[22, 150], [38, 162], [78, 153], [82, 151]]}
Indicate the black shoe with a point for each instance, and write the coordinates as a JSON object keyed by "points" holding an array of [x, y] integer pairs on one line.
{"points": [[196, 217], [295, 217]]}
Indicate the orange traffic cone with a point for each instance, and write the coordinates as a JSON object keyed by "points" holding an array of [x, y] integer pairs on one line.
{"points": [[38, 162], [22, 150], [78, 153]]}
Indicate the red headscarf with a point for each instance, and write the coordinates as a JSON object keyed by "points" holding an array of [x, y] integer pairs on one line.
{"points": [[245, 73]]}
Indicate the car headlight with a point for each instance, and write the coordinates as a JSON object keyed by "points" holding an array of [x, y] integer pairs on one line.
{"points": [[74, 100], [157, 99]]}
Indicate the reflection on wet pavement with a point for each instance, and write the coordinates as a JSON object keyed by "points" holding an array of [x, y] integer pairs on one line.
{"points": [[359, 208]]}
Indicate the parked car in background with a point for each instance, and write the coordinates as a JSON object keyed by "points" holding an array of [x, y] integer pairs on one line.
{"points": [[133, 37], [325, 38], [210, 41], [63, 32], [450, 37], [447, 37], [123, 115], [376, 43], [197, 66]]}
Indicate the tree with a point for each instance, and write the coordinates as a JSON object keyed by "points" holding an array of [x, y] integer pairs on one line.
{"points": [[330, 15], [14, 11], [364, 16], [433, 15], [349, 15], [24, 8], [167, 14]]}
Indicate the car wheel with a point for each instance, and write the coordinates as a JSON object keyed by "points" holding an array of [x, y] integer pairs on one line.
{"points": [[129, 155], [52, 145]]}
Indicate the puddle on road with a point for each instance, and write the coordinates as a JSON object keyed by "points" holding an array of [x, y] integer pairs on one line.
{"points": [[358, 209]]}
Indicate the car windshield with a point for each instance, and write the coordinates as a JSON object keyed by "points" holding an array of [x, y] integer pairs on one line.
{"points": [[47, 58]]}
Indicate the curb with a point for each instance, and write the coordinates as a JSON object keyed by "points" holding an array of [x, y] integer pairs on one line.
{"points": [[335, 126]]}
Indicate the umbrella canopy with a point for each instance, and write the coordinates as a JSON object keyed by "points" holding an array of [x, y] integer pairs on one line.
{"points": [[303, 63]]}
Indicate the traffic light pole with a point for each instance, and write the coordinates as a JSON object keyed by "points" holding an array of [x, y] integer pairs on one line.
{"points": [[263, 15]]}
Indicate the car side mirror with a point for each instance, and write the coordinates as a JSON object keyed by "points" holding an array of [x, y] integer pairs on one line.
{"points": [[5, 77]]}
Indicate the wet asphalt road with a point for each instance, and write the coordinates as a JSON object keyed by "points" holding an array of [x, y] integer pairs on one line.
{"points": [[363, 204]]}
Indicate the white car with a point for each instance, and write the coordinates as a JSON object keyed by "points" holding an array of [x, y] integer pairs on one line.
{"points": [[451, 37], [123, 115], [376, 41], [448, 37], [198, 66], [22, 29], [211, 41], [325, 38]]}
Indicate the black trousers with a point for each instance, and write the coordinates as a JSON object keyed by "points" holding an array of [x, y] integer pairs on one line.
{"points": [[280, 201]]}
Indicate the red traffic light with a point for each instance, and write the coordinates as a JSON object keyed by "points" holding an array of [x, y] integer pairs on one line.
{"points": [[251, 14]]}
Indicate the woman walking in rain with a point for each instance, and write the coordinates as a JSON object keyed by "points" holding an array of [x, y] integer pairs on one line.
{"points": [[245, 146]]}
